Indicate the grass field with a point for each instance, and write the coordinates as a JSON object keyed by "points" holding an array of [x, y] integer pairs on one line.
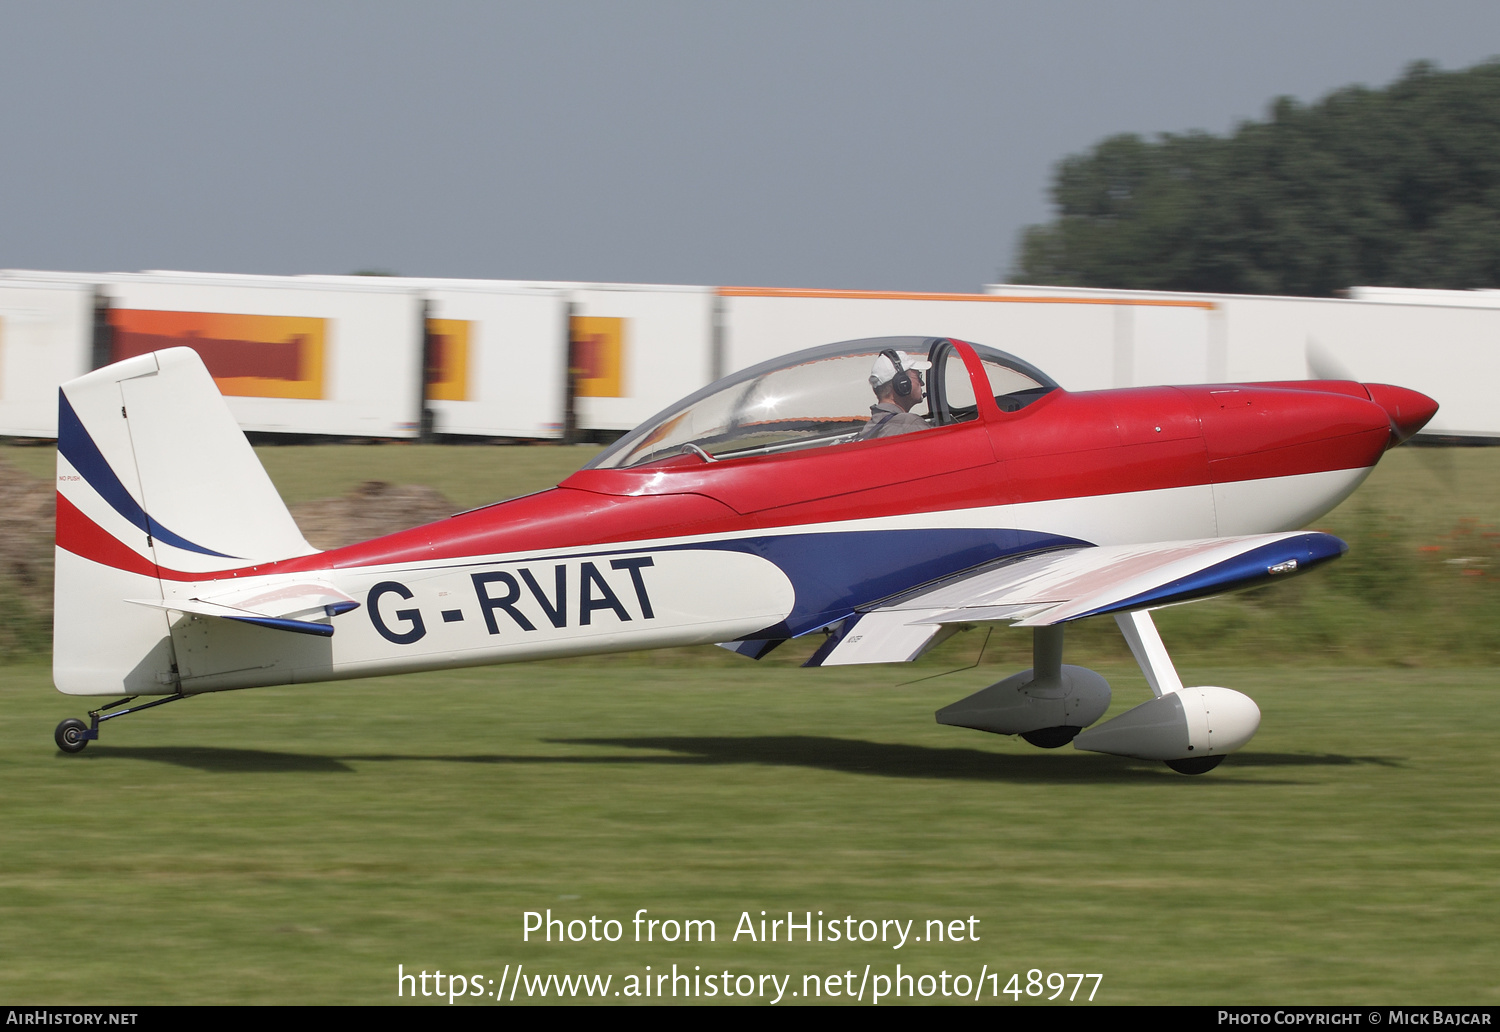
{"points": [[470, 475], [295, 845]]}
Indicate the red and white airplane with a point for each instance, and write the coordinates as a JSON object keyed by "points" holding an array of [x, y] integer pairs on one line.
{"points": [[760, 509]]}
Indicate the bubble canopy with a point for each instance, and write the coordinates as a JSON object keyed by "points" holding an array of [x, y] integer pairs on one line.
{"points": [[820, 398]]}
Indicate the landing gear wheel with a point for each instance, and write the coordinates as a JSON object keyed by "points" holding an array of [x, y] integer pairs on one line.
{"points": [[69, 735], [1195, 764], [1051, 737]]}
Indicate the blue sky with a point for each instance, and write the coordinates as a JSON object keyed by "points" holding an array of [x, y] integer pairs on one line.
{"points": [[824, 143]]}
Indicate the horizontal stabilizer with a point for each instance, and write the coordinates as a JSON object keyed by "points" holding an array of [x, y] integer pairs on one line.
{"points": [[296, 599], [200, 608]]}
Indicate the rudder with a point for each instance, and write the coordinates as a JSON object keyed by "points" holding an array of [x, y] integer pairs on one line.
{"points": [[154, 479]]}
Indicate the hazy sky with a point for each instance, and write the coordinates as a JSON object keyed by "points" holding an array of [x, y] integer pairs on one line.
{"points": [[881, 145]]}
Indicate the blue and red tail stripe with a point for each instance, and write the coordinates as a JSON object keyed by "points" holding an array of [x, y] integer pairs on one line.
{"points": [[77, 446]]}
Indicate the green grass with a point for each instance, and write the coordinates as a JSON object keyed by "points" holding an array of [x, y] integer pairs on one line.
{"points": [[34, 458], [295, 845], [469, 475]]}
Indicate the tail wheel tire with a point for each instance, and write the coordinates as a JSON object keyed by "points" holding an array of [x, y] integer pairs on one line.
{"points": [[69, 735], [1195, 764]]}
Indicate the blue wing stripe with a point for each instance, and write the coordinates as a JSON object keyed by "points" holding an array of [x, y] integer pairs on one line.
{"points": [[1247, 570]]}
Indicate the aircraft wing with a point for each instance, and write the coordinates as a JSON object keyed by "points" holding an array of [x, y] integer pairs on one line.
{"points": [[1070, 584]]}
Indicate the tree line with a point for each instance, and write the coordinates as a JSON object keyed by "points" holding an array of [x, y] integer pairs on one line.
{"points": [[1392, 187]]}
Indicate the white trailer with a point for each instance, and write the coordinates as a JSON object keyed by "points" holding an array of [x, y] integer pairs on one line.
{"points": [[495, 353], [290, 357], [374, 356], [1443, 343], [662, 339], [1075, 340], [44, 340], [635, 348]]}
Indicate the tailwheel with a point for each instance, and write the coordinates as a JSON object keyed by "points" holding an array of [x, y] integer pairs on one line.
{"points": [[71, 735], [1195, 764]]}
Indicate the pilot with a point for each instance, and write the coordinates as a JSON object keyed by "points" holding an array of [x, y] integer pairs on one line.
{"points": [[896, 379]]}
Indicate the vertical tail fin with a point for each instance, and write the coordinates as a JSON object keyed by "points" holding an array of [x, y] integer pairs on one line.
{"points": [[154, 479]]}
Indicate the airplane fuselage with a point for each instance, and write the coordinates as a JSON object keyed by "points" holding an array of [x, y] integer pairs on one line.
{"points": [[805, 494], [684, 551]]}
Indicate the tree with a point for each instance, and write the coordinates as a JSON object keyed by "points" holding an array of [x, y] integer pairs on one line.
{"points": [[1393, 187]]}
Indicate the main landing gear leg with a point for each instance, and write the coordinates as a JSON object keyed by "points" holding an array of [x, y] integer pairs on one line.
{"points": [[1151, 654], [1047, 705], [72, 735], [1046, 673]]}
